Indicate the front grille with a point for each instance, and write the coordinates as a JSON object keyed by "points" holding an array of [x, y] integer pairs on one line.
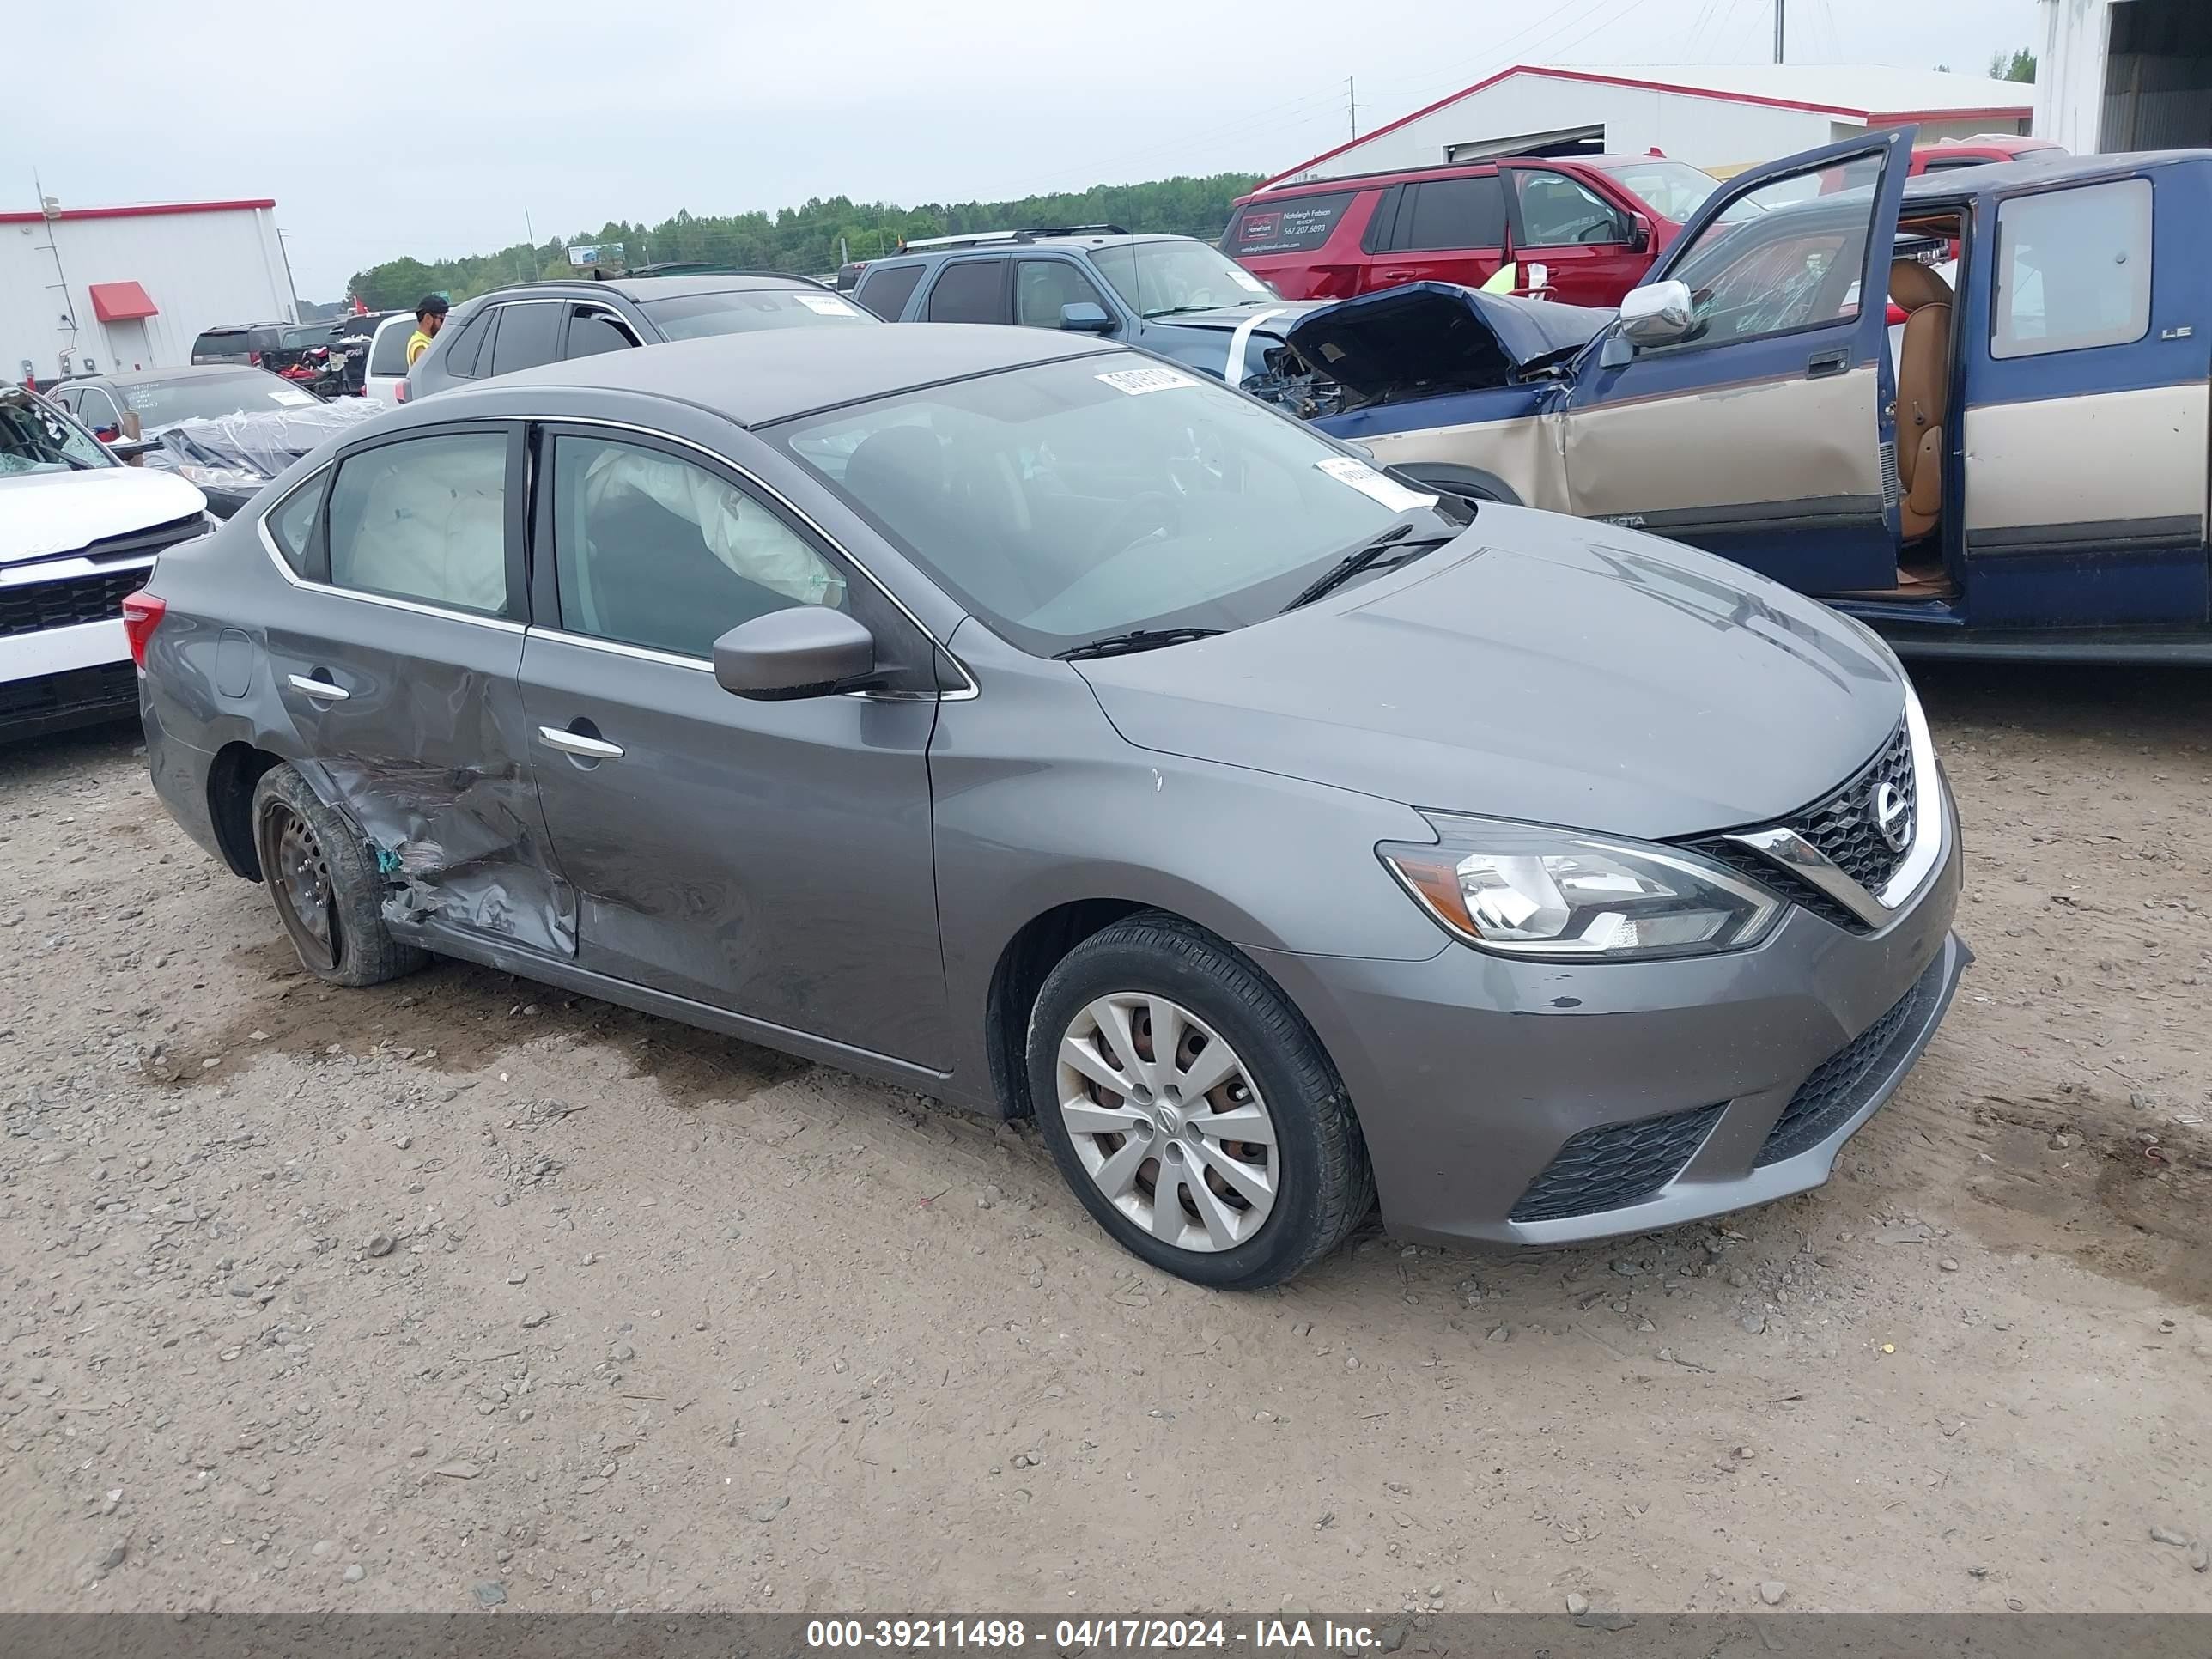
{"points": [[111, 689], [1843, 825], [1615, 1165], [34, 606], [1840, 1086]]}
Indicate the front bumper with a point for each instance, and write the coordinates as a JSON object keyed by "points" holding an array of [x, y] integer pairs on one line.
{"points": [[58, 678], [1521, 1103]]}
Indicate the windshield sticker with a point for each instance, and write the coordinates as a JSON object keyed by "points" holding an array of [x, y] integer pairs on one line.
{"points": [[828, 304], [1246, 279], [1376, 486], [1138, 381], [290, 397]]}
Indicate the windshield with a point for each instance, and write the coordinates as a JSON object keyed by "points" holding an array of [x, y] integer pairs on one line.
{"points": [[209, 397], [298, 339], [742, 310], [1071, 500], [34, 437], [1159, 278], [1675, 190]]}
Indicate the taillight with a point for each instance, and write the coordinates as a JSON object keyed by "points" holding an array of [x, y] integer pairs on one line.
{"points": [[253, 358], [142, 615], [399, 393]]}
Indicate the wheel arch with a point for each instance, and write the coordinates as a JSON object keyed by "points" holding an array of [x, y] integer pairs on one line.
{"points": [[1450, 476], [238, 767]]}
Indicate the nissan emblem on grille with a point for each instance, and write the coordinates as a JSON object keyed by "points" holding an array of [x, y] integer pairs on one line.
{"points": [[1893, 815]]}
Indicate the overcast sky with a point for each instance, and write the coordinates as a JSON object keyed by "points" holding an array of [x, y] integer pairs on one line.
{"points": [[393, 137]]}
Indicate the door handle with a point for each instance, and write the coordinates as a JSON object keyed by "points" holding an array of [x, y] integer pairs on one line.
{"points": [[321, 690], [1822, 364], [574, 743]]}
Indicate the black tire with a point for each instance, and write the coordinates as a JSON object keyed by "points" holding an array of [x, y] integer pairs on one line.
{"points": [[1324, 1186], [306, 849]]}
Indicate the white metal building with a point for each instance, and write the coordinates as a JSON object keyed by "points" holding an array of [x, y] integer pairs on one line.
{"points": [[1722, 116], [2125, 73], [130, 287]]}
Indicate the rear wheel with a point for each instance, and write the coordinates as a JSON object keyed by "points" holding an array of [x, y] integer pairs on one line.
{"points": [[328, 893], [1191, 1109]]}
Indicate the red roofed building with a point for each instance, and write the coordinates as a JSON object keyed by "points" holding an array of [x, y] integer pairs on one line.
{"points": [[1719, 117], [120, 288]]}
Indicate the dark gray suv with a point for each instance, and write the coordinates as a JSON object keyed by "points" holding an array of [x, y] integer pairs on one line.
{"points": [[533, 323], [1048, 729]]}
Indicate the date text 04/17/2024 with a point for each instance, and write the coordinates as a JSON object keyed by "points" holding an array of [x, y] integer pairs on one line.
{"points": [[1087, 1635]]}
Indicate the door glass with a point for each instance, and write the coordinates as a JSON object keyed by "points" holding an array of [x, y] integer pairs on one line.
{"points": [[885, 292], [97, 410], [592, 330], [425, 519], [652, 550], [1793, 260], [967, 293], [1041, 287], [1558, 212], [291, 522], [1453, 213], [526, 337], [2073, 270]]}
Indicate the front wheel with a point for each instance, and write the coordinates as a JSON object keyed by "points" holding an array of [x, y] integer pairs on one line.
{"points": [[1191, 1109]]}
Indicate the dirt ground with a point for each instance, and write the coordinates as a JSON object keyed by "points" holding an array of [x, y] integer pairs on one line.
{"points": [[461, 1292]]}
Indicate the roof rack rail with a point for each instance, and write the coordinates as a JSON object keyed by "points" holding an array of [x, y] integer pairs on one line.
{"points": [[1031, 233], [991, 238]]}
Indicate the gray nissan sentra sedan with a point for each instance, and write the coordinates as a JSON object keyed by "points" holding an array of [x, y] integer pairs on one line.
{"points": [[1033, 724]]}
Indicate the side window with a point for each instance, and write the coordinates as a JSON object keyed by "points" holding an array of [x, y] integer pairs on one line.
{"points": [[592, 330], [425, 519], [1785, 256], [1557, 211], [1041, 287], [388, 355], [291, 522], [2073, 270], [97, 410], [886, 291], [464, 357], [527, 336], [1453, 213], [971, 291], [652, 550], [1295, 226]]}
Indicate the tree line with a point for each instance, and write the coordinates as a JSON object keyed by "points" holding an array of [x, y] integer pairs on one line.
{"points": [[811, 238]]}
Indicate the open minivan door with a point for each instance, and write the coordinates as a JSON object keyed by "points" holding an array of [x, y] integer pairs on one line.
{"points": [[1745, 403]]}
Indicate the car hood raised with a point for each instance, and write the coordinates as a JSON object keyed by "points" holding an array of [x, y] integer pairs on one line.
{"points": [[42, 513], [1539, 668], [1425, 339]]}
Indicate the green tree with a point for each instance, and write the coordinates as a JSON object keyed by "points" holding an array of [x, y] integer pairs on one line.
{"points": [[2013, 66]]}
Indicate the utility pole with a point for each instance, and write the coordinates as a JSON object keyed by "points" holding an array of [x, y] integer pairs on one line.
{"points": [[1781, 11], [50, 210], [1352, 104], [529, 234]]}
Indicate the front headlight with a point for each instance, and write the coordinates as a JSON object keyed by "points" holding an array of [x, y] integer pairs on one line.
{"points": [[1524, 890]]}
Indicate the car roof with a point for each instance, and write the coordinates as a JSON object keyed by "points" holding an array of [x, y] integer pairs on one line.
{"points": [[770, 374], [653, 287], [184, 372], [1033, 244], [2043, 168]]}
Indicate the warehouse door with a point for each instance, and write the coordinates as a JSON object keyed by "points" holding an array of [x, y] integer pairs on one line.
{"points": [[2158, 76]]}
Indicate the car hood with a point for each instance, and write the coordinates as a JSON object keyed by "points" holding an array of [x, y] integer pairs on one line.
{"points": [[42, 513], [1538, 668], [1275, 316], [1425, 339]]}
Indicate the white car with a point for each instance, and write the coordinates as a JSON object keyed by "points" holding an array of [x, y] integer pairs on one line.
{"points": [[79, 532], [387, 369]]}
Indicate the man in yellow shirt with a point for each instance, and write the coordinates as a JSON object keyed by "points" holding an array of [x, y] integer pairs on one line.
{"points": [[429, 318]]}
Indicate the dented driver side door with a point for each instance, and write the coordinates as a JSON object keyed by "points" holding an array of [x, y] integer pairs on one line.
{"points": [[395, 658]]}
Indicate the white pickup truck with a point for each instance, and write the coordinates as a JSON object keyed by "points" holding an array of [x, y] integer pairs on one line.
{"points": [[78, 532]]}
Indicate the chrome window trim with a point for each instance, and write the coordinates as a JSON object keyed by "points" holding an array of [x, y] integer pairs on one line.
{"points": [[601, 308], [268, 542], [963, 694], [1785, 846]]}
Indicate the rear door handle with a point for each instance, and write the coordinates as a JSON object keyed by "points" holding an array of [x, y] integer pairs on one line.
{"points": [[575, 743], [1822, 364], [321, 690]]}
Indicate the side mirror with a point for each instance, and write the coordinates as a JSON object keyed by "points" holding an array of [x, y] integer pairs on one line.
{"points": [[804, 651], [1658, 313], [1639, 234], [1084, 317]]}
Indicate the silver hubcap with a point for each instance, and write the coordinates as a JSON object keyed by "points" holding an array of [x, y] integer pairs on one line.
{"points": [[1167, 1121]]}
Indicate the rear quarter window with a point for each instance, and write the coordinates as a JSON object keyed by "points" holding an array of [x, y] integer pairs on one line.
{"points": [[389, 354], [2073, 270], [1297, 224], [885, 291]]}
